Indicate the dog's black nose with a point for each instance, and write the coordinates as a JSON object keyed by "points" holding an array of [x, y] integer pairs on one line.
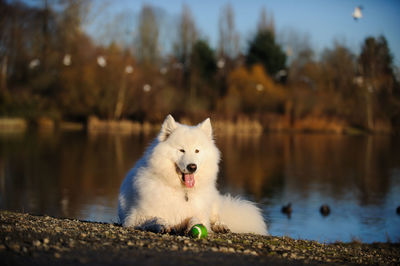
{"points": [[191, 167]]}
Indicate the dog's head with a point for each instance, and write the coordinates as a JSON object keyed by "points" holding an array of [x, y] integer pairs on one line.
{"points": [[186, 154]]}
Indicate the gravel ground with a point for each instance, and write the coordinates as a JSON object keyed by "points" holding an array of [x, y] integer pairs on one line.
{"points": [[37, 240]]}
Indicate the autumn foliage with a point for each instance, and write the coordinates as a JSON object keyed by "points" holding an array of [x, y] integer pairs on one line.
{"points": [[251, 90], [50, 67]]}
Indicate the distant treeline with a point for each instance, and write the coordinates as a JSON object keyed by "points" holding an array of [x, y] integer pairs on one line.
{"points": [[50, 67]]}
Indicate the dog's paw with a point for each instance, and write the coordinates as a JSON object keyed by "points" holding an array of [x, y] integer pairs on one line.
{"points": [[218, 227], [155, 225]]}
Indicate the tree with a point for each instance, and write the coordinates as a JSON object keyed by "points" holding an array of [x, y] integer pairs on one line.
{"points": [[28, 35], [4, 40], [251, 90], [335, 80], [187, 35], [228, 37], [203, 59], [264, 50], [297, 45], [379, 82], [266, 22], [70, 24], [376, 64], [147, 39], [78, 92], [203, 72], [338, 70]]}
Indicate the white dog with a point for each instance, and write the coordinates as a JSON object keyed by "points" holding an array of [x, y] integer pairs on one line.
{"points": [[173, 186]]}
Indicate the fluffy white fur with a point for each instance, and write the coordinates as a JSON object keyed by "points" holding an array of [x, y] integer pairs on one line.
{"points": [[154, 196]]}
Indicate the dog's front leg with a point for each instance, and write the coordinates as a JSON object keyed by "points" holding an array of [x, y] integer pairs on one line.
{"points": [[216, 224], [219, 227]]}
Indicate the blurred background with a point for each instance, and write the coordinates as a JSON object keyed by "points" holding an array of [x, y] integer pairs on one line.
{"points": [[286, 64], [304, 98]]}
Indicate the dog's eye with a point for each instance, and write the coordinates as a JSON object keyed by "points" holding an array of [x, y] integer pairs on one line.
{"points": [[182, 150], [196, 151]]}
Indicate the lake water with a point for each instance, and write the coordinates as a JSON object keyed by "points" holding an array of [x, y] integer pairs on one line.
{"points": [[75, 175]]}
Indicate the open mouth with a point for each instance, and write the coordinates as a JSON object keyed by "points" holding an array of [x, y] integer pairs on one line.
{"points": [[187, 178]]}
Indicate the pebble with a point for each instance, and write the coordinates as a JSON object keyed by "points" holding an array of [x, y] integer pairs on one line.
{"points": [[214, 249], [223, 249], [31, 236], [15, 247], [204, 241], [247, 251]]}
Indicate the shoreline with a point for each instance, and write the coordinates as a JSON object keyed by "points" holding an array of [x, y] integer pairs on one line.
{"points": [[27, 239], [243, 126]]}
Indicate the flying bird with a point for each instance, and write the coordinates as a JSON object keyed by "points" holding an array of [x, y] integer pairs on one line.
{"points": [[357, 14]]}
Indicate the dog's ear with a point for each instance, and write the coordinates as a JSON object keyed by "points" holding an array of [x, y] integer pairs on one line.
{"points": [[206, 127], [168, 126]]}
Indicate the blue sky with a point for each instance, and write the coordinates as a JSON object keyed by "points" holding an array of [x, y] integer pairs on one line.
{"points": [[324, 21]]}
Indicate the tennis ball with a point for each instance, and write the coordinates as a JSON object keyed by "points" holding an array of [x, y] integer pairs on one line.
{"points": [[198, 231]]}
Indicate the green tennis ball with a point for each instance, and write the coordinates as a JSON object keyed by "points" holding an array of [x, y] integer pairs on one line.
{"points": [[198, 231]]}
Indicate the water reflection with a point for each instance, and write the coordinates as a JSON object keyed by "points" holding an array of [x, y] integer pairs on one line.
{"points": [[357, 176], [336, 166], [78, 176], [67, 174]]}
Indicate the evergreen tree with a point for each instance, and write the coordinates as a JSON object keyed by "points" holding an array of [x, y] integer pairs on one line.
{"points": [[203, 73], [263, 49], [376, 64], [204, 60]]}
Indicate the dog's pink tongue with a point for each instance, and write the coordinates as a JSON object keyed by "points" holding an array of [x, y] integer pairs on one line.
{"points": [[189, 180]]}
